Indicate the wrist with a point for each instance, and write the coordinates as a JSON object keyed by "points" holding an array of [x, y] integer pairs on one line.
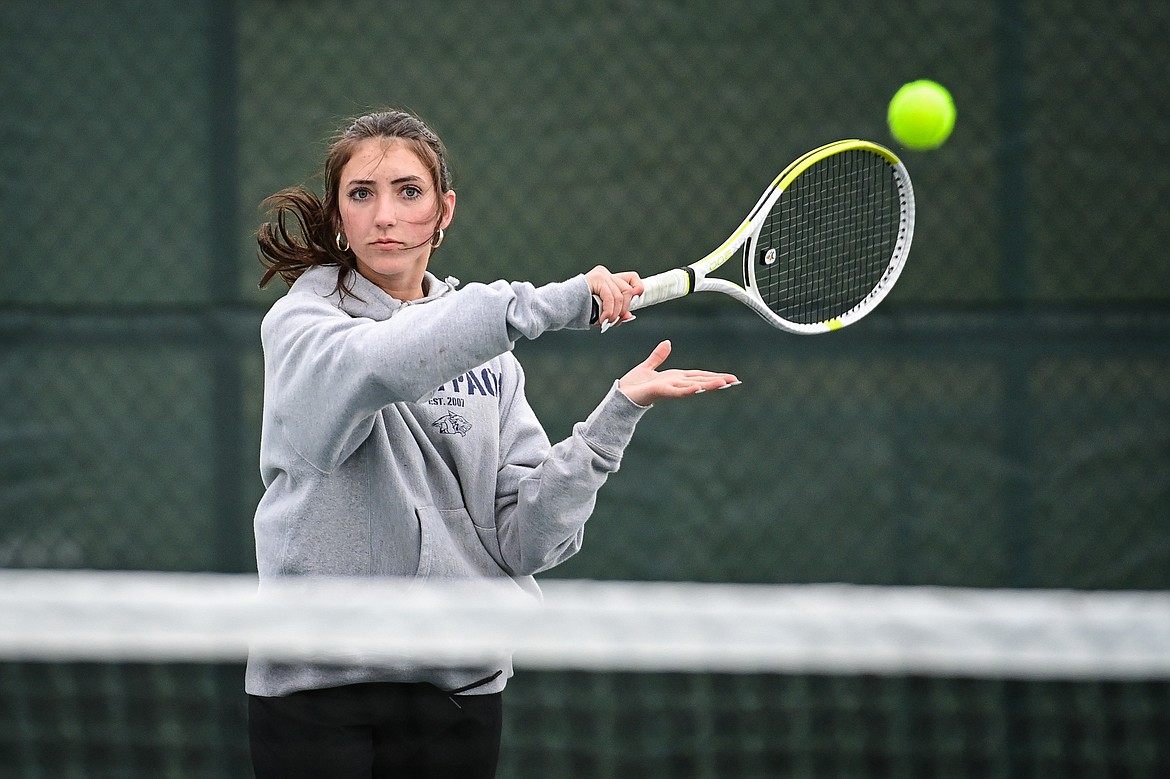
{"points": [[632, 394]]}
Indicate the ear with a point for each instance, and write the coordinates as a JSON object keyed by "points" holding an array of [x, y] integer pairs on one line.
{"points": [[448, 208]]}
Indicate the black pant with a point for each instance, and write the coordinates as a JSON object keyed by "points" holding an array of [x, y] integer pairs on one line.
{"points": [[375, 731]]}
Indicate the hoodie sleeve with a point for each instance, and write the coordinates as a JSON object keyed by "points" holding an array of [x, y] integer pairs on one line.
{"points": [[546, 493], [327, 373]]}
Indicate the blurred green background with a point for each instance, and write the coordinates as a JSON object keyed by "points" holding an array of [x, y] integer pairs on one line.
{"points": [[1002, 421]]}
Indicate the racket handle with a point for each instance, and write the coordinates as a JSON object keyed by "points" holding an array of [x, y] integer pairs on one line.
{"points": [[665, 286], [658, 288]]}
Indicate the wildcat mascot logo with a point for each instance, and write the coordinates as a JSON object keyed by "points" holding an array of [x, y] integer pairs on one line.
{"points": [[452, 424]]}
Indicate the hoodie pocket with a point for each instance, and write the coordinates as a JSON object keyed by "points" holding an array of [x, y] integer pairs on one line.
{"points": [[450, 547]]}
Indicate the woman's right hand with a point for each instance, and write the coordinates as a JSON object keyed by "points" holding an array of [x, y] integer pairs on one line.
{"points": [[613, 291]]}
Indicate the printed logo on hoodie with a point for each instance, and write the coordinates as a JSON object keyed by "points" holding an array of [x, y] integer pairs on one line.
{"points": [[482, 382], [452, 424]]}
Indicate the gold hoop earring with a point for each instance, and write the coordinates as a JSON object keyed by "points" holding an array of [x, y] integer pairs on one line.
{"points": [[341, 248], [438, 239]]}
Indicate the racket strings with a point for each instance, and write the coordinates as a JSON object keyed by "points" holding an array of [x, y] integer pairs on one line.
{"points": [[827, 242]]}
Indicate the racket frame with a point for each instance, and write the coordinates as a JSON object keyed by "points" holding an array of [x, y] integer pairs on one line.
{"points": [[679, 282]]}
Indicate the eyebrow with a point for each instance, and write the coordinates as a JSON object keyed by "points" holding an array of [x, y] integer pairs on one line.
{"points": [[371, 182]]}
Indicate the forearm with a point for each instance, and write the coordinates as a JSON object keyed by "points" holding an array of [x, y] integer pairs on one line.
{"points": [[542, 510], [328, 373]]}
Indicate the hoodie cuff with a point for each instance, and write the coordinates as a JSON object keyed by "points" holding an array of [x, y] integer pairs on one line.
{"points": [[611, 425]]}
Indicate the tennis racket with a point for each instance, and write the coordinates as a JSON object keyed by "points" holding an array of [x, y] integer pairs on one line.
{"points": [[822, 247]]}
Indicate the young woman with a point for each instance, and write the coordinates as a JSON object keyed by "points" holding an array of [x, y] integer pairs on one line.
{"points": [[397, 441]]}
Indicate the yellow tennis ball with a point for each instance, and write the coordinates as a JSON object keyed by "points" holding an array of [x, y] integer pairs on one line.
{"points": [[921, 115]]}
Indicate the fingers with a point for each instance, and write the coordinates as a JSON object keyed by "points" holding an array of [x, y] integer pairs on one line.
{"points": [[697, 382], [613, 293], [658, 356], [634, 280], [645, 384], [715, 382], [676, 384], [687, 382]]}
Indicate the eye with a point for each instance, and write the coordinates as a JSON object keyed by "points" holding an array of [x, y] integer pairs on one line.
{"points": [[411, 192], [360, 193]]}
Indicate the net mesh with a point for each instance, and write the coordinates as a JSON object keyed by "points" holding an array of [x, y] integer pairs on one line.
{"points": [[135, 674]]}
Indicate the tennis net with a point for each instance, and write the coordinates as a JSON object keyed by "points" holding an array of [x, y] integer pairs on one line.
{"points": [[140, 674]]}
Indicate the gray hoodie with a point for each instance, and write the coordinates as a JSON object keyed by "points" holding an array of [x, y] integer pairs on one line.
{"points": [[397, 441]]}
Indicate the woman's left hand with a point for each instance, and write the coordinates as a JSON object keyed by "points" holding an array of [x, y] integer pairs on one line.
{"points": [[644, 384]]}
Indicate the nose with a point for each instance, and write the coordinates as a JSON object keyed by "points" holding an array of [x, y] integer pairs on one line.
{"points": [[387, 213]]}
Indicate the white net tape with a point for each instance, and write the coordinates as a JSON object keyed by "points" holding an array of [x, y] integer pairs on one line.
{"points": [[138, 616]]}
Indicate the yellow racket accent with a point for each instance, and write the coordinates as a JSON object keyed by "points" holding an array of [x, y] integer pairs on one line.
{"points": [[828, 150]]}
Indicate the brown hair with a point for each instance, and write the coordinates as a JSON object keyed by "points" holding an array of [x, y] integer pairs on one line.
{"points": [[288, 252]]}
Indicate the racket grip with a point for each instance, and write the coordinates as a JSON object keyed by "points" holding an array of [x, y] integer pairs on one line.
{"points": [[665, 286]]}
